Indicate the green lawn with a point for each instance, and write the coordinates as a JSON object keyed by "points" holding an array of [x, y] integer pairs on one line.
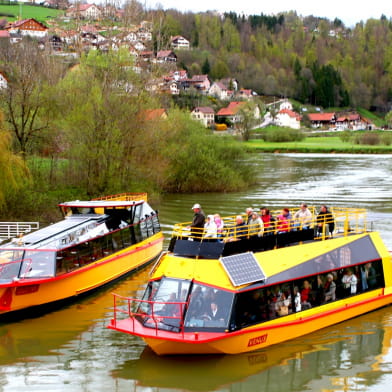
{"points": [[28, 11], [317, 144]]}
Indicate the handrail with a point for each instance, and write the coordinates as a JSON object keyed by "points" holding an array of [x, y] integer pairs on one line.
{"points": [[127, 196], [14, 229], [157, 319], [346, 221]]}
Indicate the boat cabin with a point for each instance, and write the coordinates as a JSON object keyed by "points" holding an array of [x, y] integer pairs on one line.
{"points": [[90, 231]]}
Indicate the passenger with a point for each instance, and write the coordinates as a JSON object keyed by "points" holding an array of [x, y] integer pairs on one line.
{"points": [[303, 217], [305, 295], [318, 290], [297, 300], [219, 224], [282, 305], [215, 312], [369, 277], [349, 281], [268, 221], [284, 221], [325, 222], [248, 211], [171, 309], [198, 221], [239, 231], [329, 289], [210, 229], [255, 225]]}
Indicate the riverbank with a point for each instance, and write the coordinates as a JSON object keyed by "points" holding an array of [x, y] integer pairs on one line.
{"points": [[329, 144]]}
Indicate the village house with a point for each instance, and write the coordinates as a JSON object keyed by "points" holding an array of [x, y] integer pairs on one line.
{"points": [[179, 42], [352, 121], [3, 81], [322, 120], [205, 115], [166, 56], [288, 118], [28, 27], [220, 91], [200, 82], [155, 114], [84, 11], [232, 113]]}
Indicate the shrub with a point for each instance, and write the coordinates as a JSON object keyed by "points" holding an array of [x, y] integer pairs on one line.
{"points": [[386, 139], [283, 135], [368, 138], [345, 136]]}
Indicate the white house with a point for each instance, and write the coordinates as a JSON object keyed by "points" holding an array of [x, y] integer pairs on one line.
{"points": [[288, 118], [28, 27], [179, 42]]}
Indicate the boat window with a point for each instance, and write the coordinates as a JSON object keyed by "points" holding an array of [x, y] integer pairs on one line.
{"points": [[208, 308], [10, 261], [38, 263], [168, 298], [278, 300]]}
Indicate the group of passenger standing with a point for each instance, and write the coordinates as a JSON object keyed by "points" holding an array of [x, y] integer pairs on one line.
{"points": [[263, 223]]}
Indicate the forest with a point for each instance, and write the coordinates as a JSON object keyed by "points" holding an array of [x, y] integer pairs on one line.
{"points": [[313, 60]]}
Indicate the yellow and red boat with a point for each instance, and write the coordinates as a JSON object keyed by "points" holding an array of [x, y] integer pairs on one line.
{"points": [[97, 242], [240, 292]]}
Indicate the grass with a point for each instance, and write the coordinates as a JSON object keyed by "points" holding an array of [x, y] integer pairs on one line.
{"points": [[322, 144], [28, 11]]}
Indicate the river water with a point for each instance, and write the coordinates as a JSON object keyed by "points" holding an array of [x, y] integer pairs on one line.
{"points": [[71, 349]]}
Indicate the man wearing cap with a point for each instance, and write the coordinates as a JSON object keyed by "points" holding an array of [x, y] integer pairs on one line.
{"points": [[197, 225]]}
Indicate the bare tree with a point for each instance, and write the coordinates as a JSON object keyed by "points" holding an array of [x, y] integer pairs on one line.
{"points": [[30, 73]]}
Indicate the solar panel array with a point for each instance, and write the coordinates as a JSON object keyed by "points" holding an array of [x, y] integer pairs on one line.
{"points": [[242, 268]]}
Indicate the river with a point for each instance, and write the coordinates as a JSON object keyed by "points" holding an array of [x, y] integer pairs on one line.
{"points": [[71, 349]]}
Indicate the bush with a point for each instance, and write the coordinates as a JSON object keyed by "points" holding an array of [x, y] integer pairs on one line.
{"points": [[283, 135], [386, 139], [368, 138], [345, 136]]}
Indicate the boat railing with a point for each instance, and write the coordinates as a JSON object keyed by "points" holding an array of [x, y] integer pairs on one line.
{"points": [[127, 196], [15, 229], [345, 220], [143, 310]]}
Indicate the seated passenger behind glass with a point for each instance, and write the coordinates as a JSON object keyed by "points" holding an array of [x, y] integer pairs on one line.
{"points": [[305, 295], [349, 281], [329, 289]]}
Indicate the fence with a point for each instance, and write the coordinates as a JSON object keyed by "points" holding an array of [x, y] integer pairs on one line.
{"points": [[15, 229]]}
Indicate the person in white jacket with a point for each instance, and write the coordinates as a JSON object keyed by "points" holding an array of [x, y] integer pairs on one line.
{"points": [[210, 228], [303, 217]]}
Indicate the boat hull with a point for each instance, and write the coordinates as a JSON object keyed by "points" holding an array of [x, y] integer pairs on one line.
{"points": [[256, 337], [28, 293]]}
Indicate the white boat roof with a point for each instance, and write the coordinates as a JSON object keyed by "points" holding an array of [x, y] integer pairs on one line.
{"points": [[101, 203]]}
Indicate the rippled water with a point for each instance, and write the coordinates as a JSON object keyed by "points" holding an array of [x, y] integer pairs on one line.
{"points": [[72, 350]]}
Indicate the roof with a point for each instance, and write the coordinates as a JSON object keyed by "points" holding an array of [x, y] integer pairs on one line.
{"points": [[20, 23], [101, 203], [321, 116], [204, 109], [153, 114], [4, 34], [290, 113], [166, 53], [282, 264], [231, 109]]}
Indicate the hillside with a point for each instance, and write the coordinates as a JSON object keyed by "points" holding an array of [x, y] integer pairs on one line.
{"points": [[24, 11]]}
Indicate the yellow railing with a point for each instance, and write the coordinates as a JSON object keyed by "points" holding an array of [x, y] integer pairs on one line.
{"points": [[345, 221], [128, 196]]}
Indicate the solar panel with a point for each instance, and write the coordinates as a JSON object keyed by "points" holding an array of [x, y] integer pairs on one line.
{"points": [[242, 268]]}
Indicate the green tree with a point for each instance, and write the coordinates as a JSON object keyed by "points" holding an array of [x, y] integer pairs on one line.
{"points": [[13, 171]]}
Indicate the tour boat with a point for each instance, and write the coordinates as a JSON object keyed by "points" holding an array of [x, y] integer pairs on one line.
{"points": [[246, 290], [97, 242]]}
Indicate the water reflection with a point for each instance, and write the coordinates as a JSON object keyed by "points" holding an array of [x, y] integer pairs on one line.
{"points": [[348, 357]]}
